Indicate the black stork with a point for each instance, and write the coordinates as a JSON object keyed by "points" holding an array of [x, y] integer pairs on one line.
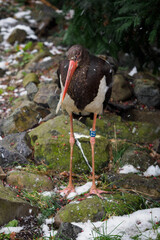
{"points": [[86, 88]]}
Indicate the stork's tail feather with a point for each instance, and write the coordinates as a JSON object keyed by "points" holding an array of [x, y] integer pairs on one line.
{"points": [[59, 104]]}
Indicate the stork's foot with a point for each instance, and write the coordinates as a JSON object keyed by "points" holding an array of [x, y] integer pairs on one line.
{"points": [[98, 192], [67, 190]]}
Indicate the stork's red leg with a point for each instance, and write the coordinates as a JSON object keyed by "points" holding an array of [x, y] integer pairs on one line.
{"points": [[94, 189], [70, 188]]}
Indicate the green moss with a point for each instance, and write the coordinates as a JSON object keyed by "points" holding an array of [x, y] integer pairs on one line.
{"points": [[24, 118], [7, 194], [51, 144], [30, 181], [94, 209], [30, 77], [110, 125]]}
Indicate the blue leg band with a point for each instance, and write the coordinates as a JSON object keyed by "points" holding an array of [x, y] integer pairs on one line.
{"points": [[92, 133]]}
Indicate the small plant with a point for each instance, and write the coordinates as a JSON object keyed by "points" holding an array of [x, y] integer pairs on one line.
{"points": [[11, 99], [47, 205], [28, 46], [103, 235], [26, 57], [1, 91], [10, 88], [118, 153], [4, 236], [13, 223]]}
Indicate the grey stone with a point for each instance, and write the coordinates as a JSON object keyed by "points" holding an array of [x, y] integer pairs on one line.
{"points": [[18, 141], [141, 160], [31, 89], [68, 231], [10, 157], [47, 95], [147, 92]]}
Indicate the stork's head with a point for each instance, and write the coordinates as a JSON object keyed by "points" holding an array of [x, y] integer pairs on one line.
{"points": [[76, 55]]}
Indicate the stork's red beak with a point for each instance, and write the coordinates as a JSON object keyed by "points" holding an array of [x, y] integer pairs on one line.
{"points": [[72, 67]]}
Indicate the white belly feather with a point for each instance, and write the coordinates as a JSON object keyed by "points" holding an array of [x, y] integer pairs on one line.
{"points": [[96, 106]]}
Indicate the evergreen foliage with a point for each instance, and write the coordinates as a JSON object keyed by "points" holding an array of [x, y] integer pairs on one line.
{"points": [[131, 26]]}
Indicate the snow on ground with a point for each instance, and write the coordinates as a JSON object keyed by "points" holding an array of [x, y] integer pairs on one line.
{"points": [[128, 169], [79, 190], [152, 171], [138, 223], [45, 228], [132, 72], [7, 22], [22, 14], [28, 30], [8, 230]]}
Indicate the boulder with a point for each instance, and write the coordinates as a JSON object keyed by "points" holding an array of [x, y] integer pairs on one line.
{"points": [[12, 206], [147, 186], [96, 209], [47, 95], [140, 159], [19, 142], [137, 115], [147, 92], [29, 181], [10, 157], [31, 89], [111, 125], [121, 89], [51, 144], [17, 35], [25, 116]]}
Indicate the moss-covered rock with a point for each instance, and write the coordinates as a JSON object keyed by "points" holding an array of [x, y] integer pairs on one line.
{"points": [[51, 144], [138, 158], [30, 77], [111, 125], [25, 116], [29, 181], [17, 35], [12, 206], [146, 186], [96, 209]]}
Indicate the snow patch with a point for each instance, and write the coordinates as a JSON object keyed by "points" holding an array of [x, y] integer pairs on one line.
{"points": [[152, 171], [7, 22], [133, 71], [128, 169], [8, 230], [127, 226], [45, 228], [3, 65], [80, 190], [28, 30], [22, 14]]}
